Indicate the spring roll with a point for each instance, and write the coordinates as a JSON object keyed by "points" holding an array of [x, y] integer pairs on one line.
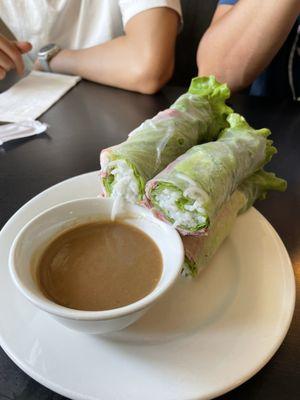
{"points": [[190, 191], [196, 117], [199, 250]]}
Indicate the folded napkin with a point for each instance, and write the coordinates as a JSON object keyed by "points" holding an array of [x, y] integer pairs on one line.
{"points": [[21, 130], [33, 95]]}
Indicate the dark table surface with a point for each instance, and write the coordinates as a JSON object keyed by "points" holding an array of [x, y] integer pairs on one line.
{"points": [[91, 117]]}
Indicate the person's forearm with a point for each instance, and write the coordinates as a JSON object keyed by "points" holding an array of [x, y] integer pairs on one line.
{"points": [[240, 44], [118, 62], [141, 60]]}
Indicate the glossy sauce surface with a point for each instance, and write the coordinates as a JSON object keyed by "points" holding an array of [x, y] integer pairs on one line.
{"points": [[99, 266]]}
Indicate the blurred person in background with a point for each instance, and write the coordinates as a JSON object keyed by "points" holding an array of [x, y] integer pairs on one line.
{"points": [[256, 44], [129, 44]]}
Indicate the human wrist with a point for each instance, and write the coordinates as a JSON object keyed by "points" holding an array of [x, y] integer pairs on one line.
{"points": [[62, 62]]}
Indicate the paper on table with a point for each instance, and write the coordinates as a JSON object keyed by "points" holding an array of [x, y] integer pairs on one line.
{"points": [[33, 95]]}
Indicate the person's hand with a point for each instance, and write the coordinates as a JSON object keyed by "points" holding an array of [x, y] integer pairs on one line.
{"points": [[11, 56]]}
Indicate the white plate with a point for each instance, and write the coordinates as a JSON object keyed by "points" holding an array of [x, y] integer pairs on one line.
{"points": [[205, 338]]}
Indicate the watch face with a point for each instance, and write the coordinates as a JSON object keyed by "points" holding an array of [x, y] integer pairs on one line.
{"points": [[47, 48]]}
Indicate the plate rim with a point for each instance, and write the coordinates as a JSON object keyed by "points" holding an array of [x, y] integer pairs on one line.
{"points": [[77, 396]]}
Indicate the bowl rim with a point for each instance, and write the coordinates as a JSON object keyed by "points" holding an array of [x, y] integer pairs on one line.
{"points": [[69, 313]]}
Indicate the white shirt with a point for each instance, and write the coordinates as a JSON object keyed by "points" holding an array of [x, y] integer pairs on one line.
{"points": [[73, 24]]}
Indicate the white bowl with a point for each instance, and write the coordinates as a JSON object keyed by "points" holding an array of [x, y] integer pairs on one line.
{"points": [[36, 234]]}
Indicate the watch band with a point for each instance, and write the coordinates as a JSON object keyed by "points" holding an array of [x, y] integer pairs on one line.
{"points": [[44, 64]]}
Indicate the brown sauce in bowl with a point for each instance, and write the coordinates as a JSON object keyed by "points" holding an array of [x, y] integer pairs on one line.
{"points": [[99, 266]]}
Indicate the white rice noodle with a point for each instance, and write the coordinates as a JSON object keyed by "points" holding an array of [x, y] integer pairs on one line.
{"points": [[188, 218], [125, 184], [117, 208]]}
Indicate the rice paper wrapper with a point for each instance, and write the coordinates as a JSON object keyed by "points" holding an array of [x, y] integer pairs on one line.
{"points": [[209, 173], [199, 250], [196, 117]]}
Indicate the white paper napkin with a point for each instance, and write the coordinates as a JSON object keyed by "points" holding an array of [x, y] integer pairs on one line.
{"points": [[21, 130], [33, 95]]}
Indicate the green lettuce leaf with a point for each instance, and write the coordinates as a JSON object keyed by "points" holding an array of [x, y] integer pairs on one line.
{"points": [[216, 93], [257, 186]]}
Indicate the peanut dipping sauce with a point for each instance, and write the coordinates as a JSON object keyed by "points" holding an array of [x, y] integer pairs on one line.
{"points": [[99, 266]]}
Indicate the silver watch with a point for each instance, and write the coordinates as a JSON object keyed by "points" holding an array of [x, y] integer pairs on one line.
{"points": [[46, 53]]}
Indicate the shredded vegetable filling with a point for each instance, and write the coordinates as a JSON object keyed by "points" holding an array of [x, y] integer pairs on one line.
{"points": [[187, 216]]}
